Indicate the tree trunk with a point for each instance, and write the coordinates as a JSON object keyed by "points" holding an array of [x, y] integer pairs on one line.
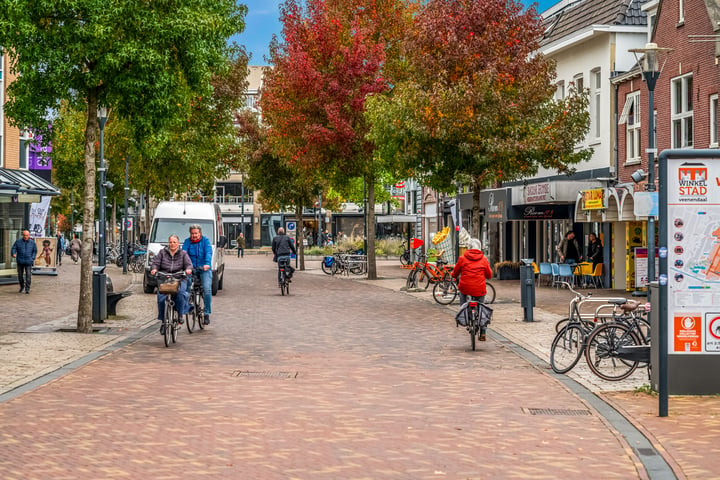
{"points": [[370, 219], [84, 319], [146, 226]]}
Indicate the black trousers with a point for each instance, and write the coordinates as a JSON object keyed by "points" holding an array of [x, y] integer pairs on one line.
{"points": [[24, 276]]}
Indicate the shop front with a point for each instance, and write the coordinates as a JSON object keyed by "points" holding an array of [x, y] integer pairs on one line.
{"points": [[19, 189]]}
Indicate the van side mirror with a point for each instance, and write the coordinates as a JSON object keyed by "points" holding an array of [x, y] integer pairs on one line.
{"points": [[222, 241]]}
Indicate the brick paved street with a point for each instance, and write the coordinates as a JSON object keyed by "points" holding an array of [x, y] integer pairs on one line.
{"points": [[339, 380]]}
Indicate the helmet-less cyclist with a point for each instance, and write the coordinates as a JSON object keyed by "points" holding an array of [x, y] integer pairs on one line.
{"points": [[282, 247], [199, 249], [172, 260]]}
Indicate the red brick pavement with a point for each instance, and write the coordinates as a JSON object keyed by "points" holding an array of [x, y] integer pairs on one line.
{"points": [[340, 380]]}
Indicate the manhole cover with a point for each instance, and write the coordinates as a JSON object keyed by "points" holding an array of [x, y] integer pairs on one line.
{"points": [[250, 374], [556, 411], [74, 330]]}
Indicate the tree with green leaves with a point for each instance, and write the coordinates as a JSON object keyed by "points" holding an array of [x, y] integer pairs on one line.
{"points": [[330, 62], [142, 60], [477, 106]]}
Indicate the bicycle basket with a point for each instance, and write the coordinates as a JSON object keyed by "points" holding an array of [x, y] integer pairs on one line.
{"points": [[328, 260], [169, 288]]}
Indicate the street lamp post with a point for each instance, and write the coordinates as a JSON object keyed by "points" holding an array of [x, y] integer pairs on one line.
{"points": [[102, 119], [125, 216], [650, 64], [649, 60]]}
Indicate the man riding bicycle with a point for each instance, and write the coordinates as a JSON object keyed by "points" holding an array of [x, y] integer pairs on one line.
{"points": [[172, 260], [282, 247], [199, 249]]}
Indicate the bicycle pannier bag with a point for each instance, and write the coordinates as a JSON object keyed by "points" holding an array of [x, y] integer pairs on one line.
{"points": [[461, 317], [328, 261], [485, 314], [170, 288]]}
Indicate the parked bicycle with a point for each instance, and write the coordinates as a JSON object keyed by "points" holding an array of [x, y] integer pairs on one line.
{"points": [[445, 290], [339, 263], [168, 284], [424, 273], [608, 356]]}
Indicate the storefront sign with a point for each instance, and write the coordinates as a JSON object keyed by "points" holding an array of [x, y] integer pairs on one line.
{"points": [[593, 199], [539, 192], [693, 226], [495, 204], [540, 212]]}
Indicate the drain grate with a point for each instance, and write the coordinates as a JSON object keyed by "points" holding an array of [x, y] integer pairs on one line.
{"points": [[556, 411], [249, 374]]}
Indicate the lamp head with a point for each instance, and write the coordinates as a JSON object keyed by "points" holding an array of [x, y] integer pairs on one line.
{"points": [[638, 175], [109, 185]]}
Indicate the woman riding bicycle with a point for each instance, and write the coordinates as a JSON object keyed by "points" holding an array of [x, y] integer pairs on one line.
{"points": [[172, 260], [473, 269]]}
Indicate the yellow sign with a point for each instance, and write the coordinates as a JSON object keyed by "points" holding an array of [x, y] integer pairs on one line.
{"points": [[594, 199]]}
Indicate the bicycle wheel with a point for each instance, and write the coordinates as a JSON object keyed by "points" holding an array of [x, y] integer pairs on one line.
{"points": [[411, 282], [445, 292], [175, 325], [405, 258], [423, 279], [199, 308], [566, 348], [168, 322], [603, 351], [190, 317], [325, 268], [490, 294]]}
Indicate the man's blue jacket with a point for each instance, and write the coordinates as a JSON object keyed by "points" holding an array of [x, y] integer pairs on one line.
{"points": [[26, 251], [200, 252]]}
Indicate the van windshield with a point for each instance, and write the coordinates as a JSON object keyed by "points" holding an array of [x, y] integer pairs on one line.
{"points": [[164, 227]]}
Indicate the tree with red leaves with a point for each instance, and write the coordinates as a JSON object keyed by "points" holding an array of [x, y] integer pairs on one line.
{"points": [[477, 105], [330, 62]]}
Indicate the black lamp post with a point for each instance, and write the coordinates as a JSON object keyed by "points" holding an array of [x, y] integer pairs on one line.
{"points": [[102, 119], [650, 64], [649, 60]]}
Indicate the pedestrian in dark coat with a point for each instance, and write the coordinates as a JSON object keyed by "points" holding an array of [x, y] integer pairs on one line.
{"points": [[24, 252]]}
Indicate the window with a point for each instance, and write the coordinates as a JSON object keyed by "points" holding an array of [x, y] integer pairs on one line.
{"points": [[681, 10], [595, 85], [579, 83], [560, 92], [714, 121], [631, 117], [682, 112]]}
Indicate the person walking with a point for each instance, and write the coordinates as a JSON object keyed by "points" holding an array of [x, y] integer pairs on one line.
{"points": [[473, 269], [24, 252], [75, 248], [59, 248], [241, 245], [569, 249]]}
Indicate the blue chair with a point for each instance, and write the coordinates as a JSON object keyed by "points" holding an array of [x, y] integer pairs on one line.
{"points": [[566, 273], [555, 271], [545, 271]]}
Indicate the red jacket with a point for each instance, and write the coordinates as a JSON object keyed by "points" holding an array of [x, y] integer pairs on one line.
{"points": [[473, 268]]}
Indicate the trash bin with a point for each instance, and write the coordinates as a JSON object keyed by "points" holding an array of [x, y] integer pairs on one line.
{"points": [[527, 288], [99, 294]]}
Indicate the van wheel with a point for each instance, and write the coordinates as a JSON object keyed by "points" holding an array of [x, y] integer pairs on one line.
{"points": [[220, 283], [147, 288], [215, 283]]}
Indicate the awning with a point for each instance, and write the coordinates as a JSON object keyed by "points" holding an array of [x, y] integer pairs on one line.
{"points": [[14, 182], [396, 218]]}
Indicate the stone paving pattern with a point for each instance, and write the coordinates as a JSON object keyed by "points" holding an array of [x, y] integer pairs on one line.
{"points": [[345, 378]]}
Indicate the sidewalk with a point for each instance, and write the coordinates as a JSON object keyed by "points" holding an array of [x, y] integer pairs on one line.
{"points": [[34, 350]]}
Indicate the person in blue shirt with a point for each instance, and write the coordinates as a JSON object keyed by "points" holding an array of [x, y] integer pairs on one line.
{"points": [[200, 250], [24, 252]]}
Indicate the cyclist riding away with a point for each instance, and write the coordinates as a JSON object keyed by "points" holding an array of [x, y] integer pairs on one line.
{"points": [[473, 269], [282, 247], [199, 249], [172, 260]]}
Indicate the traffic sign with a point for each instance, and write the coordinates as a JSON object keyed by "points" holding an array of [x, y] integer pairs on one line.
{"points": [[290, 226]]}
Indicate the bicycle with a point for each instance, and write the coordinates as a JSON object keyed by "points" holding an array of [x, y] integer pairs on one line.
{"points": [[477, 316], [445, 290], [284, 280], [171, 319], [616, 349], [197, 302], [424, 273]]}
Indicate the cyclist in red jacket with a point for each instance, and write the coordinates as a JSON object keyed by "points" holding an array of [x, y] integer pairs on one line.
{"points": [[473, 269]]}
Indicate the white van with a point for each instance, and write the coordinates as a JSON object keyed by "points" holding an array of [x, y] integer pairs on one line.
{"points": [[175, 218]]}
